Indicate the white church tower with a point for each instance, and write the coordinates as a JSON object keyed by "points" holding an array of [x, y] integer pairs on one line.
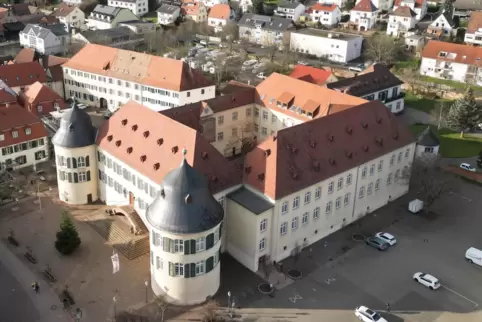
{"points": [[75, 151], [185, 226]]}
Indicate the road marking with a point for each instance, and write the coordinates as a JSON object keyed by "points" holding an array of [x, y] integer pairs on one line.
{"points": [[330, 280], [469, 300], [295, 298], [461, 196]]}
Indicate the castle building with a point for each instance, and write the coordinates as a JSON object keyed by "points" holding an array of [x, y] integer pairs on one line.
{"points": [[185, 226]]}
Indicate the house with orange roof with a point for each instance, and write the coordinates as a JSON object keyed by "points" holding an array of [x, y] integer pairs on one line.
{"points": [[420, 7], [70, 15], [382, 5], [364, 15], [219, 16], [195, 11], [473, 33], [313, 75], [40, 100], [325, 14], [401, 21], [457, 62]]}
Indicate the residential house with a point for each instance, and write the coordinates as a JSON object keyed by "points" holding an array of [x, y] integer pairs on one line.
{"points": [[109, 77], [418, 6], [196, 11], [106, 17], [18, 76], [50, 39], [325, 14], [340, 3], [382, 5], [452, 61], [264, 30], [364, 15], [7, 95], [141, 27], [443, 25], [168, 14], [428, 144], [70, 15], [212, 3], [74, 2], [334, 46], [138, 7], [401, 21], [290, 10], [119, 37], [170, 2], [26, 55], [245, 5], [313, 75], [40, 100], [23, 138], [377, 83], [414, 43], [473, 33], [219, 16]]}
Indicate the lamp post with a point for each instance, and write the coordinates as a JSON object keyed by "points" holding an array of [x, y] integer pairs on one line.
{"points": [[114, 299], [229, 301], [146, 283], [78, 315]]}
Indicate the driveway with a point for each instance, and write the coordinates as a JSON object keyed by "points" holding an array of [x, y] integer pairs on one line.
{"points": [[413, 116]]}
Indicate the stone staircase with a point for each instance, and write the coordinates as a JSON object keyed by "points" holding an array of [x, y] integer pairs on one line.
{"points": [[131, 213], [111, 229]]}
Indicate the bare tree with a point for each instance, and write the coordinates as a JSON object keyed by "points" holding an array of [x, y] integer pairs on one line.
{"points": [[210, 311], [428, 178], [413, 79], [161, 306], [230, 33], [383, 49]]}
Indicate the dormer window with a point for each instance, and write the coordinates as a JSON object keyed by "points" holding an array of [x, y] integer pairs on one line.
{"points": [[442, 54]]}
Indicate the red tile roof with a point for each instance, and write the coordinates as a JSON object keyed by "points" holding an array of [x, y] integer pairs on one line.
{"points": [[16, 75], [191, 8], [26, 55], [464, 54], [404, 11], [475, 22], [137, 67], [234, 86], [15, 118], [365, 5], [39, 94], [311, 74], [324, 7], [152, 143], [220, 11], [63, 10], [303, 155]]}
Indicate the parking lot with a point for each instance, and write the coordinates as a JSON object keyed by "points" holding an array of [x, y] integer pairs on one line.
{"points": [[433, 243]]}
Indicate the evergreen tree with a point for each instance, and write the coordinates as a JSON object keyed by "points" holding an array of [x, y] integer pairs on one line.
{"points": [[464, 113], [448, 7], [479, 160], [258, 6], [68, 239]]}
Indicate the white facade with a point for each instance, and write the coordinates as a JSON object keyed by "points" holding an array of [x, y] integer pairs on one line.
{"points": [[392, 98], [398, 25], [165, 18], [76, 174], [447, 70], [76, 18], [383, 5], [339, 3], [217, 23], [245, 5], [290, 12], [441, 24], [418, 6], [72, 1], [47, 44], [102, 21], [474, 37], [326, 17], [90, 88], [212, 3], [426, 151], [337, 47], [186, 276], [24, 154], [364, 19], [138, 7]]}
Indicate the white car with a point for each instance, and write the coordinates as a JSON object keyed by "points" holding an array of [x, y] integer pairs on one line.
{"points": [[302, 62], [467, 167], [366, 315], [428, 280], [389, 238]]}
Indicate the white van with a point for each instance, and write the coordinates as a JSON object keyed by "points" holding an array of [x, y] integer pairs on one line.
{"points": [[474, 255]]}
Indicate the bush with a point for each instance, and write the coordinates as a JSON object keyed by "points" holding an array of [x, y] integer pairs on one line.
{"points": [[68, 239]]}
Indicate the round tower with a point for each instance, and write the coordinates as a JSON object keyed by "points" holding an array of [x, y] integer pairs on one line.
{"points": [[185, 226], [75, 157]]}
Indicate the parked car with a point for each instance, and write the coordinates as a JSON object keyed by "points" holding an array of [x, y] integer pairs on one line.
{"points": [[474, 256], [389, 238], [203, 42], [367, 315], [221, 45], [357, 69], [467, 167], [261, 75], [377, 243], [248, 64], [302, 62], [427, 280]]}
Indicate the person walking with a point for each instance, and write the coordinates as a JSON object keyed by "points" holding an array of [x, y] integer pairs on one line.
{"points": [[388, 307], [35, 287]]}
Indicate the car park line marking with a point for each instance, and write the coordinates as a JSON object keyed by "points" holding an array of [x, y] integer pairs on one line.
{"points": [[461, 196], [469, 300], [295, 298]]}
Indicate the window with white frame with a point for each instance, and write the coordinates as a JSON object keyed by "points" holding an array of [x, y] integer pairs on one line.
{"points": [[407, 153], [316, 213], [159, 263], [262, 244], [178, 246], [294, 223], [296, 202], [82, 176], [405, 171], [361, 192], [339, 185], [262, 225], [392, 159], [200, 244], [397, 175], [399, 158], [346, 200], [370, 188], [364, 173], [307, 197], [200, 267], [28, 131], [318, 193], [304, 219], [328, 207], [380, 165], [338, 203], [330, 188], [178, 269], [389, 179], [15, 134], [283, 228], [372, 169], [377, 184], [81, 162], [284, 208], [216, 235], [349, 179]]}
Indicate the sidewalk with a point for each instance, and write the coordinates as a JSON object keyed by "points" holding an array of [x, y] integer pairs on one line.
{"points": [[46, 298]]}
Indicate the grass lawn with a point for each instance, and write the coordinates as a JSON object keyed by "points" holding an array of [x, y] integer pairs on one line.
{"points": [[424, 104], [450, 83], [410, 64], [150, 16], [451, 144]]}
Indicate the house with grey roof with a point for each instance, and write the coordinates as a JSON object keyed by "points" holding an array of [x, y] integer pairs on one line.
{"points": [[106, 17], [118, 37], [168, 14], [265, 30], [428, 143], [290, 10], [45, 39]]}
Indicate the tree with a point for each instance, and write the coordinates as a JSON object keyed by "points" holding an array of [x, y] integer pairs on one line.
{"points": [[5, 193], [464, 113], [68, 239], [349, 5], [479, 160], [383, 49], [230, 33], [161, 306], [428, 178], [448, 7], [210, 311], [257, 6]]}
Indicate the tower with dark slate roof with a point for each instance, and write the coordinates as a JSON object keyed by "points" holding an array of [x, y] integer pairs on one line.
{"points": [[185, 227], [75, 157], [428, 143]]}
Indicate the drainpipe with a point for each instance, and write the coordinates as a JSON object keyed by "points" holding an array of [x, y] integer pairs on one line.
{"points": [[356, 190]]}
